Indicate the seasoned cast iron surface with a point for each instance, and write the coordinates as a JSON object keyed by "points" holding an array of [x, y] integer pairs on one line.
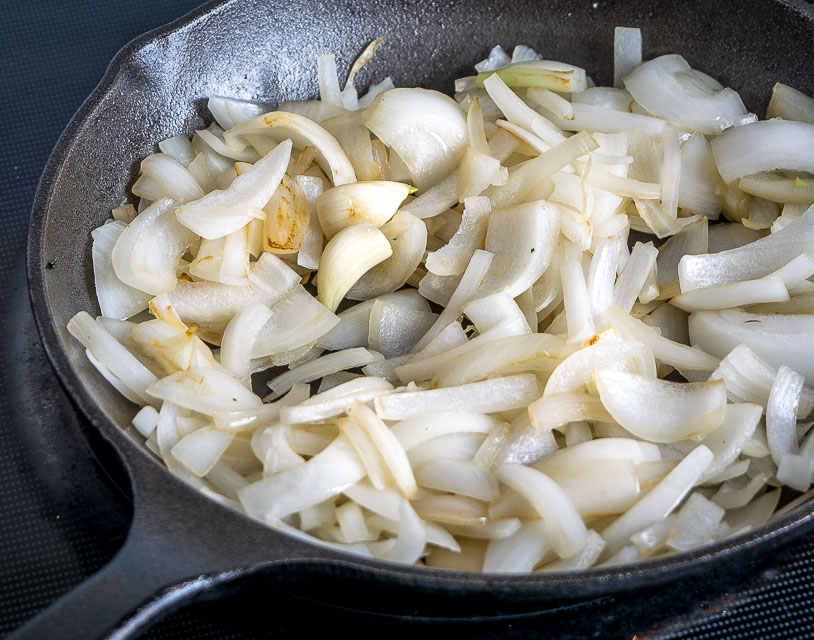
{"points": [[63, 516]]}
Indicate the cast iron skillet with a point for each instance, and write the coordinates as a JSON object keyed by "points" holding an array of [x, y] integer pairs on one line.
{"points": [[180, 542]]}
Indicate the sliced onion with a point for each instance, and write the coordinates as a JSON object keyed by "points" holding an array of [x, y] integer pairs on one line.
{"points": [[286, 330], [220, 212], [347, 256], [116, 299], [489, 396], [523, 237], [764, 146], [451, 259], [546, 74], [426, 129], [664, 349], [781, 413], [204, 391], [519, 552], [750, 261], [147, 252], [667, 87], [372, 202], [407, 236], [697, 189], [561, 521], [534, 352], [118, 360], [200, 450], [331, 363], [790, 104], [660, 500], [627, 53], [305, 133], [661, 411], [777, 339], [327, 474], [593, 117], [393, 330]]}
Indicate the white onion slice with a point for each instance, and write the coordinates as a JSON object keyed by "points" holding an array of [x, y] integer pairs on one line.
{"points": [[627, 53], [659, 410], [750, 261], [451, 259], [426, 128], [599, 488], [347, 256], [393, 330], [534, 352], [239, 337], [354, 323], [116, 299], [412, 537], [561, 521], [593, 117], [221, 212], [200, 450], [460, 477], [667, 87], [297, 320], [147, 252], [319, 407], [407, 236], [660, 500], [327, 474], [421, 428], [489, 396], [435, 200], [665, 350], [764, 146], [519, 112], [790, 104], [470, 281], [697, 188], [204, 391], [519, 552], [577, 302], [330, 363], [374, 202], [781, 413], [305, 133], [522, 238], [777, 339], [118, 360]]}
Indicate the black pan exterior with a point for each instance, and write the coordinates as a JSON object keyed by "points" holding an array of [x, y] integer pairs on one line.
{"points": [[157, 87]]}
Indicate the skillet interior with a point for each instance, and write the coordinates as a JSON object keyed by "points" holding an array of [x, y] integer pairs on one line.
{"points": [[267, 51]]}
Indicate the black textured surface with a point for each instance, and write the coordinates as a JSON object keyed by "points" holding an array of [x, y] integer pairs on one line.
{"points": [[62, 518]]}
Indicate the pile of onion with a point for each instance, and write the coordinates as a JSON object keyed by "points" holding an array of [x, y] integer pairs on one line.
{"points": [[510, 331]]}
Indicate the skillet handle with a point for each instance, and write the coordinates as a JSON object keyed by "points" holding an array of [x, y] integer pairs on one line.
{"points": [[180, 544], [119, 600]]}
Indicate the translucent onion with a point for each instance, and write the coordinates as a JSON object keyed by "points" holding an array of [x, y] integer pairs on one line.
{"points": [[489, 396], [116, 299], [346, 257], [764, 146], [304, 133], [562, 523], [221, 212], [426, 129], [372, 202], [659, 410], [147, 252], [667, 87]]}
